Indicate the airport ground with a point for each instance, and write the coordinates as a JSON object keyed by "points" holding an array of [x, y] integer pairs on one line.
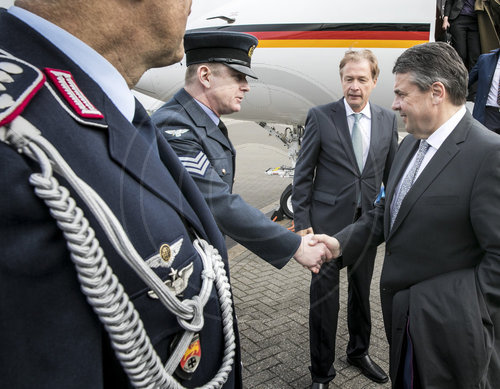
{"points": [[272, 305]]}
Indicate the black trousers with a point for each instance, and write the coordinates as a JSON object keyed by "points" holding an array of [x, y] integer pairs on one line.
{"points": [[324, 310], [465, 33]]}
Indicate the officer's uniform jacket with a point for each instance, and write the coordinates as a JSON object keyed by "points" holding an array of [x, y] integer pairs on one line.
{"points": [[49, 335], [209, 157]]}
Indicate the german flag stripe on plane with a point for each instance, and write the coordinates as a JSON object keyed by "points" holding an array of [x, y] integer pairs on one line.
{"points": [[341, 35]]}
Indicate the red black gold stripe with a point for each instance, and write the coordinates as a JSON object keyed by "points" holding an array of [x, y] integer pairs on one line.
{"points": [[346, 35]]}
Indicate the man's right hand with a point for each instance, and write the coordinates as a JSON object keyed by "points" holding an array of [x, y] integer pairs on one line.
{"points": [[330, 242], [305, 232], [312, 256]]}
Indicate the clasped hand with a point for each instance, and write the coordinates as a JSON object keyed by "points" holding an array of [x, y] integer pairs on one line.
{"points": [[315, 250]]}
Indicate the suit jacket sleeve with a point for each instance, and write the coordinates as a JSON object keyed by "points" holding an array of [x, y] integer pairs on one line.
{"points": [[473, 74], [485, 219], [236, 218], [304, 173], [392, 150]]}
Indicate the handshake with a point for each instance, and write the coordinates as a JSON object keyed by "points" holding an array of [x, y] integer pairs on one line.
{"points": [[315, 250]]}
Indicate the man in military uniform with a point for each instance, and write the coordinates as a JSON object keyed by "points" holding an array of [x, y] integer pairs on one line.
{"points": [[218, 63], [66, 67]]}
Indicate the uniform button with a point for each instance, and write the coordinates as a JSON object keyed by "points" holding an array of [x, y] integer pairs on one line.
{"points": [[224, 172]]}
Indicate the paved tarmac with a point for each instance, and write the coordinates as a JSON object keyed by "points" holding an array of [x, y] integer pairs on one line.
{"points": [[272, 305]]}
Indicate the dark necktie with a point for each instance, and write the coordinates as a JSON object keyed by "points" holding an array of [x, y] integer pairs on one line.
{"points": [[223, 129]]}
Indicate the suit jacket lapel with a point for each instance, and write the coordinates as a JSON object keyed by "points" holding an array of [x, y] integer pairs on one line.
{"points": [[439, 161], [200, 118], [403, 157], [340, 121], [375, 134]]}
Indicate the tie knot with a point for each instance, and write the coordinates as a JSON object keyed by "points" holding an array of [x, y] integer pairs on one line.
{"points": [[424, 146], [357, 116]]}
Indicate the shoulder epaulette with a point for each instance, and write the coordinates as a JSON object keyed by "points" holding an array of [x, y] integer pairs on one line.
{"points": [[19, 82]]}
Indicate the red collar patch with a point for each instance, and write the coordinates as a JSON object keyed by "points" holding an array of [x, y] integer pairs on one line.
{"points": [[66, 84]]}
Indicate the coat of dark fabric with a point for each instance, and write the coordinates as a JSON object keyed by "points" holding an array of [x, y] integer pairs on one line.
{"points": [[442, 260], [482, 74], [326, 188], [49, 335], [200, 139]]}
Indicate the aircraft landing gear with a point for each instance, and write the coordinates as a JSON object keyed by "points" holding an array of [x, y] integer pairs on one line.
{"points": [[286, 202]]}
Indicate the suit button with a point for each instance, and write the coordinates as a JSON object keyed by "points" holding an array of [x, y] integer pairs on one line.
{"points": [[388, 253]]}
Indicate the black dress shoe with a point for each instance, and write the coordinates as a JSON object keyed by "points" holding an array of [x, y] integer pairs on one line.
{"points": [[369, 368], [317, 385]]}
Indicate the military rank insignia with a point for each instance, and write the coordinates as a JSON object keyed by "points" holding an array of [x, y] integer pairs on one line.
{"points": [[19, 82], [65, 83]]}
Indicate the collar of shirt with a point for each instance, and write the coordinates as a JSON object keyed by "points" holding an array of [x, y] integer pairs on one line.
{"points": [[439, 136], [209, 112], [435, 141], [366, 111], [95, 65]]}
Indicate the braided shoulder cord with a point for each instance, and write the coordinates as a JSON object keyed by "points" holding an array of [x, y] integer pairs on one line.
{"points": [[100, 285]]}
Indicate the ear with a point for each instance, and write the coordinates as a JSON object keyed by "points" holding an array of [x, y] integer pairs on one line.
{"points": [[438, 92], [204, 74]]}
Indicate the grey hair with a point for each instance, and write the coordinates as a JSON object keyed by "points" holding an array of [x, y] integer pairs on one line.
{"points": [[435, 62]]}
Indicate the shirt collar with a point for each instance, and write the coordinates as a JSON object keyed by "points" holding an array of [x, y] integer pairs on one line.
{"points": [[366, 111], [209, 112], [439, 136], [91, 62]]}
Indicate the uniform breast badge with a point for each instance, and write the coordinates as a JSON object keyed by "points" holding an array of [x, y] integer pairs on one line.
{"points": [[190, 360], [166, 255], [177, 133], [178, 282]]}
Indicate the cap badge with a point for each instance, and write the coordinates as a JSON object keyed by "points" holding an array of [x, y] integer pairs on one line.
{"points": [[66, 84], [250, 51]]}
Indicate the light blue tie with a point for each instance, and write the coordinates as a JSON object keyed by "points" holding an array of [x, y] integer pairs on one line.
{"points": [[409, 179], [357, 141]]}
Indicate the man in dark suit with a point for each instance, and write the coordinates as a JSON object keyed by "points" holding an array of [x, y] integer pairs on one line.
{"points": [[461, 18], [217, 66], [486, 73], [440, 281], [66, 67], [335, 182]]}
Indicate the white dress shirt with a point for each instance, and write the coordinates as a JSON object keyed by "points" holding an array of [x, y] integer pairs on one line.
{"points": [[365, 124], [435, 141]]}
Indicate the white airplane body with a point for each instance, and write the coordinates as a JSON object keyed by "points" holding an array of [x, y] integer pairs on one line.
{"points": [[300, 47]]}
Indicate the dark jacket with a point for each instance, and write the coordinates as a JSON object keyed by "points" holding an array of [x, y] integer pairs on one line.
{"points": [[442, 260], [482, 74], [327, 180], [209, 157], [49, 335]]}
